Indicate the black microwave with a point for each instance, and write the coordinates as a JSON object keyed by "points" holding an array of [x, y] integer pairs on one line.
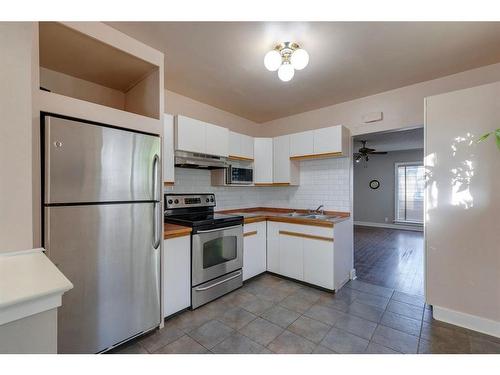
{"points": [[239, 176]]}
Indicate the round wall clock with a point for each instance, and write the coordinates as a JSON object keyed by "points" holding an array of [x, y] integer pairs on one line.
{"points": [[374, 184]]}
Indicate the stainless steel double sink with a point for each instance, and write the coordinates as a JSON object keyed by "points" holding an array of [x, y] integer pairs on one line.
{"points": [[312, 216]]}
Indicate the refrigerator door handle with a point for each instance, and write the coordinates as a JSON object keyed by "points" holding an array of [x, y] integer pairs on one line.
{"points": [[157, 206], [157, 219], [156, 162]]}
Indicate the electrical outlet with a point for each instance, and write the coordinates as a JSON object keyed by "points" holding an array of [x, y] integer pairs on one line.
{"points": [[386, 219]]}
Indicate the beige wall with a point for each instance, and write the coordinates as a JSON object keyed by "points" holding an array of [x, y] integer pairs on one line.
{"points": [[402, 108], [16, 211], [143, 97], [177, 104], [78, 88], [463, 203], [35, 334]]}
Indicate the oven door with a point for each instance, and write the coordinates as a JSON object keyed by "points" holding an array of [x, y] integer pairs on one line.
{"points": [[216, 252]]}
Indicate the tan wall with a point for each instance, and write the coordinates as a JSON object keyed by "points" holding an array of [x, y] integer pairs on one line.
{"points": [[463, 202], [177, 104], [35, 334], [16, 136], [78, 88], [402, 108], [143, 97]]}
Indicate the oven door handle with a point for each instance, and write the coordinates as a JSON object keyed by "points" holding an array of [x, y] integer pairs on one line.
{"points": [[218, 229], [218, 283]]}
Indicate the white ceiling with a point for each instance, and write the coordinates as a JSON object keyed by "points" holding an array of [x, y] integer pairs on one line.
{"points": [[392, 141], [221, 63]]}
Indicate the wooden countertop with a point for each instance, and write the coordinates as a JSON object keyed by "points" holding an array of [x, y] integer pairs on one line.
{"points": [[256, 214], [174, 230]]}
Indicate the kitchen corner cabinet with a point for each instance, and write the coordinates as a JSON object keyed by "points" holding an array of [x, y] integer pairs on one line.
{"points": [[176, 269], [168, 148], [254, 249], [285, 171], [309, 253], [263, 161], [325, 142], [193, 135], [241, 146]]}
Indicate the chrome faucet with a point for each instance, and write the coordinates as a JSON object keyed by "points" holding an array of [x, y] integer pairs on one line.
{"points": [[319, 210]]}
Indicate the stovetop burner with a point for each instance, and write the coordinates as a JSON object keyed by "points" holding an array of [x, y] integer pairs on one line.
{"points": [[196, 211]]}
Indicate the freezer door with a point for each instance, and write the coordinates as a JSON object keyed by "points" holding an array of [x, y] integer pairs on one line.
{"points": [[91, 163], [108, 254]]}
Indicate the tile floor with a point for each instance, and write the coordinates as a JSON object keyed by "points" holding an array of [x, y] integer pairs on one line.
{"points": [[273, 315]]}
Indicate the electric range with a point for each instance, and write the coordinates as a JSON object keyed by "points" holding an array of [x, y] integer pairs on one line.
{"points": [[216, 245]]}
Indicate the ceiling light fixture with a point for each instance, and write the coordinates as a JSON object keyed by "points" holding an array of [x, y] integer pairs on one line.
{"points": [[286, 58]]}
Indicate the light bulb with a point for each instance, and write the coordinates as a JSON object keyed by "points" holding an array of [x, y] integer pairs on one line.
{"points": [[272, 60], [286, 72], [299, 59]]}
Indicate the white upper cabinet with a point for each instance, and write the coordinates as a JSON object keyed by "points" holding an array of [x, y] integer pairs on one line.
{"points": [[285, 171], [263, 161], [217, 140], [190, 135], [302, 144], [241, 145], [247, 146], [330, 140], [281, 159], [197, 136], [234, 144], [325, 142], [168, 148]]}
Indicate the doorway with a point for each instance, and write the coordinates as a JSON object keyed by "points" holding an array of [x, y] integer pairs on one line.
{"points": [[388, 209]]}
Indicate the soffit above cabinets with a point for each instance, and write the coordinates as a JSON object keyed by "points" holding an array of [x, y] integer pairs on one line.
{"points": [[221, 63], [68, 51]]}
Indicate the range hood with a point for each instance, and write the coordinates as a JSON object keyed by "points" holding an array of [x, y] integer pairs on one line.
{"points": [[199, 161]]}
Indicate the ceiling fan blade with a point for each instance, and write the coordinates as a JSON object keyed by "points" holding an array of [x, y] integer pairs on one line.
{"points": [[378, 153]]}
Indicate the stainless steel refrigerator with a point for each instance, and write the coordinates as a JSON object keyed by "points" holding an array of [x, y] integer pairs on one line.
{"points": [[102, 226]]}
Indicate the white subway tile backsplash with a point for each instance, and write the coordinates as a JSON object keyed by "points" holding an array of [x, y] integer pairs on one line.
{"points": [[323, 181]]}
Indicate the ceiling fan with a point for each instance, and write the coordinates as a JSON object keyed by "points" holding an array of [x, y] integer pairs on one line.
{"points": [[364, 152]]}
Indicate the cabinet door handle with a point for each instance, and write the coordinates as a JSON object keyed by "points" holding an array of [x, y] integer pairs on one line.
{"points": [[302, 235], [252, 233]]}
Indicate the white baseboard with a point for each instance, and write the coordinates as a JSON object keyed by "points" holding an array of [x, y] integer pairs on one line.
{"points": [[416, 228], [352, 274], [476, 323]]}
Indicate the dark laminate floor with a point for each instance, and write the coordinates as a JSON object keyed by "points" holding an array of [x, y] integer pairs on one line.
{"points": [[273, 315], [390, 257]]}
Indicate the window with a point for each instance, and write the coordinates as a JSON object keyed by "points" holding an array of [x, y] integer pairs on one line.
{"points": [[409, 192]]}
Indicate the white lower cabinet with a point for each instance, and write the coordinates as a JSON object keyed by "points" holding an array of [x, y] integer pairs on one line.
{"points": [[273, 247], [254, 249], [318, 263], [290, 257], [176, 267], [301, 252]]}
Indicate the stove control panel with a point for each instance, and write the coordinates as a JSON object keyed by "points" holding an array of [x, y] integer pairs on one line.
{"points": [[173, 201]]}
